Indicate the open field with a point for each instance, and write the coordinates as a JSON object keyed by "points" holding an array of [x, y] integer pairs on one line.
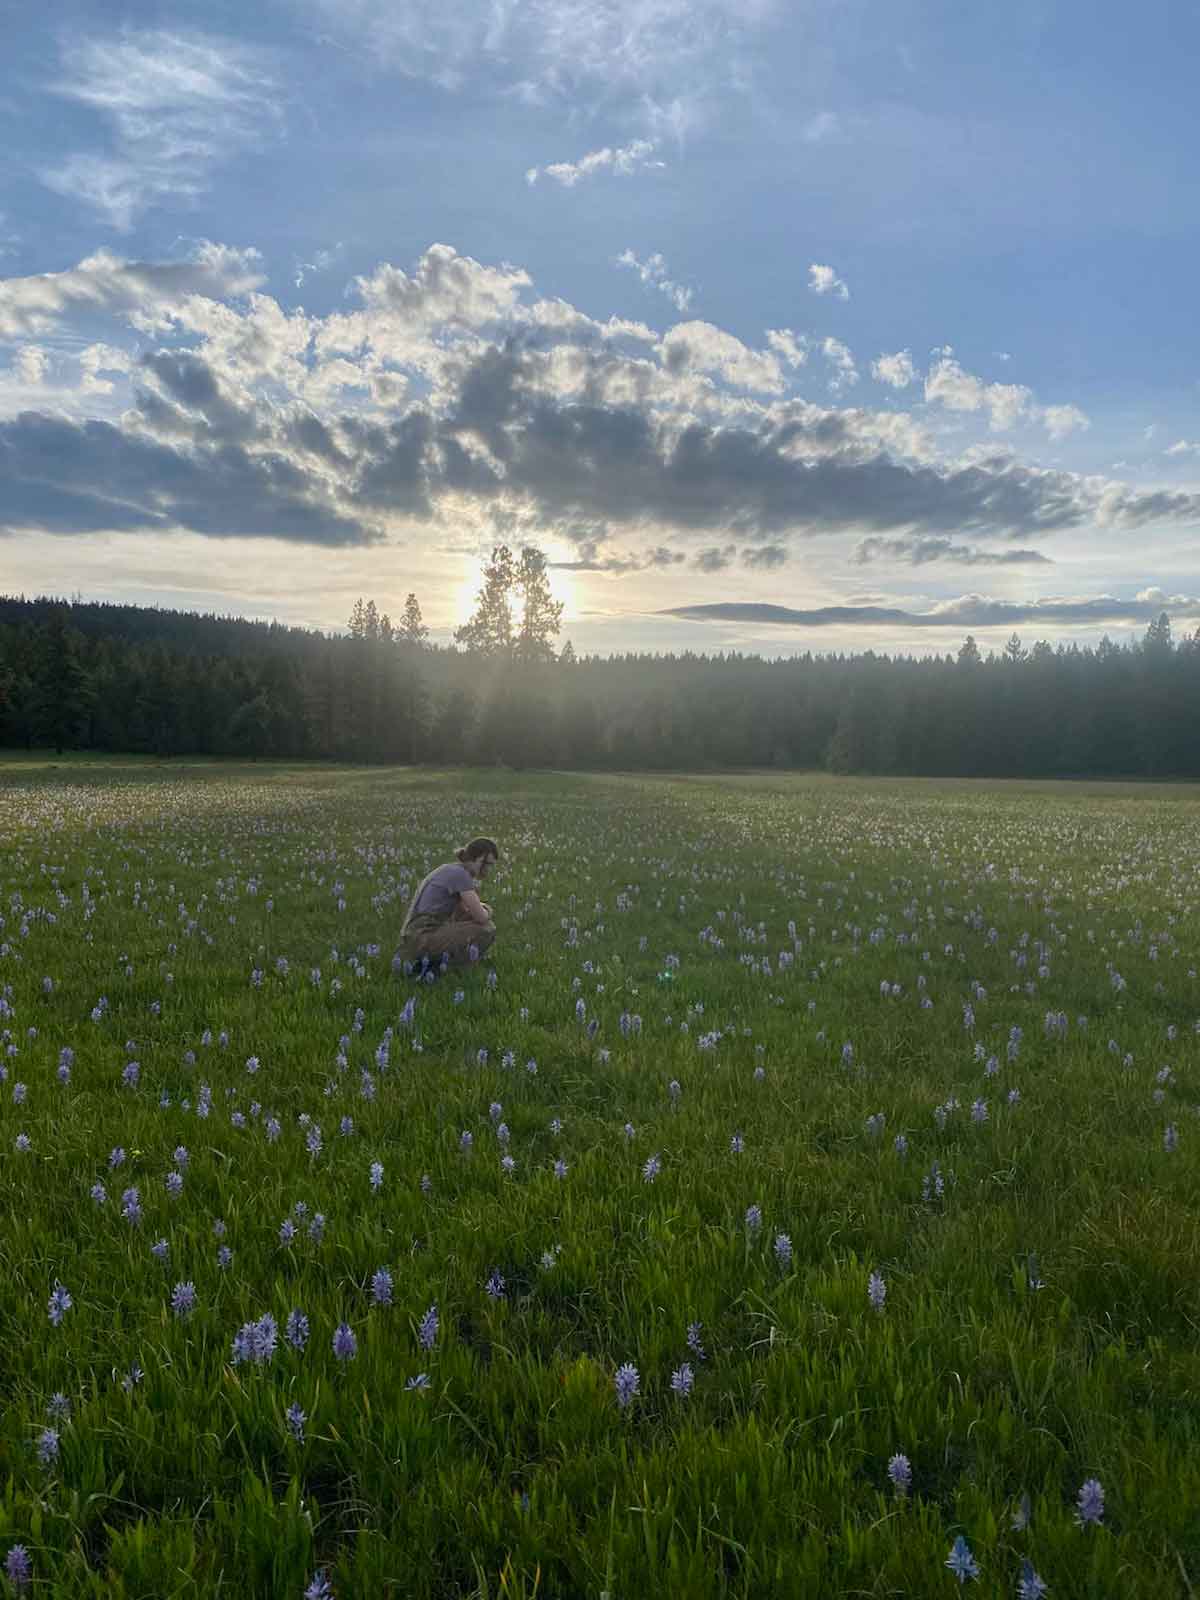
{"points": [[811, 1180]]}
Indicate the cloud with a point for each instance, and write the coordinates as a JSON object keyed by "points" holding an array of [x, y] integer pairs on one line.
{"points": [[715, 558], [965, 611], [104, 283], [1062, 420], [918, 551], [896, 370], [667, 59], [177, 105], [843, 372], [824, 280], [1183, 447], [30, 364], [623, 161], [592, 559], [1006, 404], [821, 128], [790, 347], [947, 384], [653, 273], [449, 397], [321, 262]]}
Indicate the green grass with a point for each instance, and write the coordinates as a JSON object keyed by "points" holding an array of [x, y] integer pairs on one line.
{"points": [[516, 1472]]}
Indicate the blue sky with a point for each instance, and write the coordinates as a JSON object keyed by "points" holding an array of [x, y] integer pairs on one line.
{"points": [[724, 305]]}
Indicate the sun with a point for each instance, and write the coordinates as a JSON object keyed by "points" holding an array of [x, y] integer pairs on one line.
{"points": [[466, 596]]}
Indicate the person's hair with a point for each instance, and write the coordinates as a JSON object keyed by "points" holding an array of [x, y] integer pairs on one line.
{"points": [[477, 848]]}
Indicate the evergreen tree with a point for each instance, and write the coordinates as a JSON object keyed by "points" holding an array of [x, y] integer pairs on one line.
{"points": [[61, 691], [489, 633], [541, 613], [412, 630]]}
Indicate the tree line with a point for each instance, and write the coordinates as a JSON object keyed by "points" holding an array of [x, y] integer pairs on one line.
{"points": [[90, 676]]}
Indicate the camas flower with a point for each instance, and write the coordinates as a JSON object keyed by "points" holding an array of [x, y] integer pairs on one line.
{"points": [[59, 1304], [682, 1380], [183, 1299], [1031, 1586], [296, 1330], [427, 1328], [961, 1562], [295, 1421], [783, 1250], [345, 1344], [876, 1290], [627, 1383], [381, 1287], [900, 1472], [1090, 1501]]}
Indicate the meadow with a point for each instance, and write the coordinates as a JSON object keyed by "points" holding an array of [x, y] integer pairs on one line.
{"points": [[800, 1200]]}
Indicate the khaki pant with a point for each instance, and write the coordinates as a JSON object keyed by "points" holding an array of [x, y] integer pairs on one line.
{"points": [[430, 935]]}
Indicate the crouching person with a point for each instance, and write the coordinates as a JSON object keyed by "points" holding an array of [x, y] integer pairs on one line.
{"points": [[447, 917]]}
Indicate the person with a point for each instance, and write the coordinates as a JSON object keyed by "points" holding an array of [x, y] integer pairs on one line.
{"points": [[446, 916]]}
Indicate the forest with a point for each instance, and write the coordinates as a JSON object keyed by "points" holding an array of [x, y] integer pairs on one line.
{"points": [[104, 677]]}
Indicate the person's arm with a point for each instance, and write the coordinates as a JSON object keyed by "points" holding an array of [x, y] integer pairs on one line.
{"points": [[474, 906]]}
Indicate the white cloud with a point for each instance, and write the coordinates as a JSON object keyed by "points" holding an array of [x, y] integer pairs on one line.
{"points": [[98, 358], [177, 105], [791, 347], [624, 161], [844, 372], [1062, 420], [104, 282], [701, 347], [1183, 447], [947, 384], [321, 262], [896, 370], [824, 280], [653, 273], [30, 365]]}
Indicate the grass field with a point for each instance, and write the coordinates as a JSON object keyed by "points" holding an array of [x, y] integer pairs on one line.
{"points": [[803, 1199]]}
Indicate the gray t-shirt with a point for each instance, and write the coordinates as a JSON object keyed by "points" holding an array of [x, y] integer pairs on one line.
{"points": [[439, 892]]}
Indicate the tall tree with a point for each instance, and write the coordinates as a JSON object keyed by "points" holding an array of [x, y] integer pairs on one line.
{"points": [[62, 691], [541, 613], [412, 630], [489, 633]]}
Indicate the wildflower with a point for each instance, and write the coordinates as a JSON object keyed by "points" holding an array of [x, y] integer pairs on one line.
{"points": [[900, 1472], [47, 1446], [682, 1380], [494, 1287], [183, 1299], [345, 1344], [900, 1145], [287, 1231], [376, 1174], [60, 1303], [427, 1328], [627, 1383], [1090, 1501], [295, 1421], [132, 1378], [224, 1257], [115, 1157], [1170, 1138], [18, 1567], [131, 1206], [312, 1141], [1031, 1586], [876, 1290], [419, 1382], [316, 1228], [465, 1141], [320, 1588], [58, 1407], [255, 1341], [628, 1131], [651, 1169], [979, 1111], [296, 1330], [961, 1562], [694, 1330], [174, 1184], [381, 1287], [736, 1145], [160, 1249], [783, 1250], [875, 1125], [753, 1219], [560, 1169]]}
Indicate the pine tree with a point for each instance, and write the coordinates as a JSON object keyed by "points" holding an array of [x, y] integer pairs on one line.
{"points": [[61, 688], [489, 633], [1014, 651], [541, 617], [412, 630]]}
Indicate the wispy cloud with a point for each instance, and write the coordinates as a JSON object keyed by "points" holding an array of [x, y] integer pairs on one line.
{"points": [[824, 280], [653, 273], [843, 373], [964, 611], [918, 551], [176, 104], [948, 384], [624, 161], [321, 262]]}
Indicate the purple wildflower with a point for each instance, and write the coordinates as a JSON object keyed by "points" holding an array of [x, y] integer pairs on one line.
{"points": [[320, 1588], [131, 1206], [753, 1219], [376, 1174], [900, 1472], [47, 1446], [295, 1421], [381, 1287], [627, 1383], [345, 1344], [296, 1330], [1031, 1586], [183, 1299], [682, 1380], [1091, 1503], [651, 1169], [494, 1287], [419, 1382], [18, 1567], [693, 1340], [427, 1328], [59, 1304], [876, 1290], [961, 1562], [783, 1250]]}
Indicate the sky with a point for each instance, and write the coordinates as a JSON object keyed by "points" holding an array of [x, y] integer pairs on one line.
{"points": [[778, 325]]}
